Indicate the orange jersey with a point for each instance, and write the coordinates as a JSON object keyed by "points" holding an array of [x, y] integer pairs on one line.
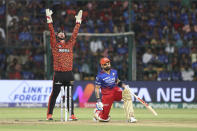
{"points": [[63, 52]]}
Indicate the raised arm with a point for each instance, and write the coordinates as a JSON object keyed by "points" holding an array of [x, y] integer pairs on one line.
{"points": [[76, 28], [51, 29]]}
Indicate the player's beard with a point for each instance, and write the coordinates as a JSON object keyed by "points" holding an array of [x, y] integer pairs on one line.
{"points": [[59, 39], [107, 68]]}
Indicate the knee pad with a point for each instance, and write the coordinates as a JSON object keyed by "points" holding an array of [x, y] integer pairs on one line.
{"points": [[128, 104]]}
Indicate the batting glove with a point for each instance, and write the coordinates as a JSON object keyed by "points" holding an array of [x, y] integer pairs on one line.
{"points": [[48, 15], [99, 106], [79, 17]]}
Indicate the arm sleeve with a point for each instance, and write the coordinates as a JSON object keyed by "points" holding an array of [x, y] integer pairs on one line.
{"points": [[74, 34], [52, 35]]}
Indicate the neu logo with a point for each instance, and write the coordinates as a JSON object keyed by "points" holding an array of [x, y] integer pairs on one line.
{"points": [[85, 95]]}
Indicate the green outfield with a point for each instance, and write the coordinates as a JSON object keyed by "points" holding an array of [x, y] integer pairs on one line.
{"points": [[33, 119]]}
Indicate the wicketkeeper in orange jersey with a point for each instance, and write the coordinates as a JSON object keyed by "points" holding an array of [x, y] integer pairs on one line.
{"points": [[62, 61]]}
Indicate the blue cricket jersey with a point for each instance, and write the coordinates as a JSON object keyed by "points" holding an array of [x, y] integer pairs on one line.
{"points": [[107, 80]]}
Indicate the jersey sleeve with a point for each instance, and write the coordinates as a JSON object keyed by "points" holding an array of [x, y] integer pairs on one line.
{"points": [[74, 34], [98, 80], [116, 74], [52, 35]]}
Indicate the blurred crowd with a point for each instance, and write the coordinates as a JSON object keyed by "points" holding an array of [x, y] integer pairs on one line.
{"points": [[165, 37], [21, 39], [167, 40]]}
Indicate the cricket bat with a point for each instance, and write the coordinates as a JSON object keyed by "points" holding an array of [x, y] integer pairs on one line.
{"points": [[145, 104]]}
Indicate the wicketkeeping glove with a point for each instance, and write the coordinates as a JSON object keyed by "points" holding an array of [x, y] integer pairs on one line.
{"points": [[79, 17], [48, 15]]}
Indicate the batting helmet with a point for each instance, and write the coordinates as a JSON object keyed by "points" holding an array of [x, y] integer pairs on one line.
{"points": [[104, 60]]}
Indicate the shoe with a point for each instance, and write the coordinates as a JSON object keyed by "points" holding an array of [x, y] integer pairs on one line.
{"points": [[132, 120], [94, 119], [73, 118], [97, 118], [96, 115], [105, 120], [49, 117]]}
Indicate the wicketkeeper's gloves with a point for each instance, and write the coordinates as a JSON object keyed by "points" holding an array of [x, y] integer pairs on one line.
{"points": [[79, 17], [48, 15]]}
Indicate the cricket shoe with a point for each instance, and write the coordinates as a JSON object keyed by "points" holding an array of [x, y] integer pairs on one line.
{"points": [[105, 120], [98, 118], [49, 117], [132, 120], [96, 115], [73, 118]]}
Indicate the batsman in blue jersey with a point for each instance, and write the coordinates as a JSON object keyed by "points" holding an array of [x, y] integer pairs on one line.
{"points": [[107, 81]]}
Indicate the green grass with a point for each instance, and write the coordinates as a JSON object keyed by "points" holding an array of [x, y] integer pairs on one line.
{"points": [[33, 119]]}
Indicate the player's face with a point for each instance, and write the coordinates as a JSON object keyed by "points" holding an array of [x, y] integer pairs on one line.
{"points": [[106, 66], [61, 35]]}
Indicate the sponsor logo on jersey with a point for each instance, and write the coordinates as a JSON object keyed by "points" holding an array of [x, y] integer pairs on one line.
{"points": [[106, 78], [63, 50]]}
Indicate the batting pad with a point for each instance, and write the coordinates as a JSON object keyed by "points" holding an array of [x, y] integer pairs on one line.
{"points": [[128, 104]]}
